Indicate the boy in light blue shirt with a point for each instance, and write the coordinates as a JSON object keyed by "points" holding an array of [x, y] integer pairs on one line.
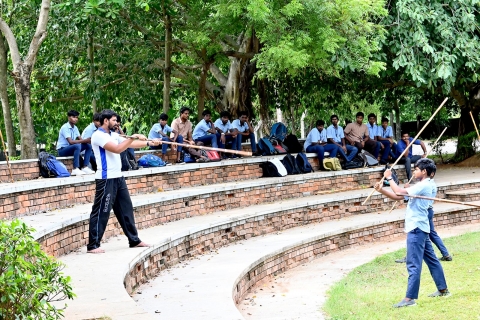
{"points": [[244, 131], [162, 131], [225, 132], [385, 137], [317, 142], [71, 143], [417, 228], [205, 130], [336, 136]]}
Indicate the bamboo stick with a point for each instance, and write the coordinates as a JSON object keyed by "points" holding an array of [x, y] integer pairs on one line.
{"points": [[440, 200], [475, 125], [6, 156], [436, 141], [409, 145], [243, 153]]}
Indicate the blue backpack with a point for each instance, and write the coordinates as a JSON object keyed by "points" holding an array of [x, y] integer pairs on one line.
{"points": [[265, 147], [151, 160], [56, 167], [278, 132], [187, 157], [303, 164]]}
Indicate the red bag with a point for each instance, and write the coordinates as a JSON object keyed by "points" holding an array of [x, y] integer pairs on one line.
{"points": [[212, 155], [279, 149]]}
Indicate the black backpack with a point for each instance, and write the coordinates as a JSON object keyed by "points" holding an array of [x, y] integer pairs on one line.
{"points": [[394, 176], [128, 161], [290, 164], [42, 164], [292, 143], [357, 162], [303, 164]]}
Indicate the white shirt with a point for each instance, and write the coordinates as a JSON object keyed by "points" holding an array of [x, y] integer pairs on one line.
{"points": [[109, 164], [315, 136]]}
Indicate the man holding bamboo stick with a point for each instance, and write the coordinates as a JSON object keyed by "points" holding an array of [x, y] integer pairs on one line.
{"points": [[417, 228]]}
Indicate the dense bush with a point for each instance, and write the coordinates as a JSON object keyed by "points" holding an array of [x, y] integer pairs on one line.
{"points": [[29, 279]]}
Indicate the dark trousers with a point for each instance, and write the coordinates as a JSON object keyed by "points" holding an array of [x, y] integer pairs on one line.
{"points": [[332, 149], [434, 237], [386, 150], [371, 146], [111, 193], [420, 248], [408, 164], [242, 138], [74, 150], [228, 138]]}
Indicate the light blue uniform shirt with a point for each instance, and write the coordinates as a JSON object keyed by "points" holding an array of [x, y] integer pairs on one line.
{"points": [[201, 129], [434, 191], [372, 130], [335, 133], [387, 133], [67, 132], [88, 131], [154, 132], [241, 128], [417, 209], [314, 136], [224, 127]]}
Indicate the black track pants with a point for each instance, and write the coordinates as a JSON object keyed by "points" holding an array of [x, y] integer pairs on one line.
{"points": [[111, 193]]}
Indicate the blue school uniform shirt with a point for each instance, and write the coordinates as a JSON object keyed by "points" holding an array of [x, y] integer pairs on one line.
{"points": [[314, 136], [401, 145], [154, 132], [372, 130], [335, 133], [201, 129], [434, 191], [241, 128], [224, 127], [88, 131], [416, 215], [385, 133], [67, 131]]}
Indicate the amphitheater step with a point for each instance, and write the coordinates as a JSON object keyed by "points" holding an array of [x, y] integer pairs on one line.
{"points": [[464, 195], [213, 282]]}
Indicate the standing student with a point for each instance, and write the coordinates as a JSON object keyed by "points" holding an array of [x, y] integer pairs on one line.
{"points": [[225, 131], [317, 142], [71, 143], [335, 136], [244, 131], [161, 130], [417, 228], [205, 130], [111, 190]]}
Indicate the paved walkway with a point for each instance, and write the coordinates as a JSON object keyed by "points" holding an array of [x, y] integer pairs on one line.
{"points": [[299, 293]]}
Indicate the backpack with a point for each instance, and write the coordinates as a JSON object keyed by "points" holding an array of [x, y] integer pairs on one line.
{"points": [[290, 164], [303, 164], [278, 132], [212, 155], [273, 168], [128, 161], [332, 164], [150, 160], [368, 158], [42, 165], [280, 149], [292, 143], [187, 157], [356, 162], [394, 176], [265, 147], [55, 167]]}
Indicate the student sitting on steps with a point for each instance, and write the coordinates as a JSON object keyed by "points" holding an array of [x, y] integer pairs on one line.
{"points": [[71, 143], [317, 142], [161, 130]]}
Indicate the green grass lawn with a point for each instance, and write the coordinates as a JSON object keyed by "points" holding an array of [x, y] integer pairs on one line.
{"points": [[369, 291]]}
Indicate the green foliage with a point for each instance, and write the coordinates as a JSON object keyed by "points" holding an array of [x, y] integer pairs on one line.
{"points": [[466, 146], [30, 280]]}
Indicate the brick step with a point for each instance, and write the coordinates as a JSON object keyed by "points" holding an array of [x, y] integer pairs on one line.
{"points": [[65, 230], [464, 195], [209, 286], [32, 197]]}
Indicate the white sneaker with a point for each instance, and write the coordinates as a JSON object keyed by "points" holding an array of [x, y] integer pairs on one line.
{"points": [[87, 170], [77, 172]]}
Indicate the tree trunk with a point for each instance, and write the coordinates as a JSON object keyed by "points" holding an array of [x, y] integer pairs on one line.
{"points": [[262, 88], [398, 127], [91, 58], [7, 115], [22, 91], [167, 75], [202, 90]]}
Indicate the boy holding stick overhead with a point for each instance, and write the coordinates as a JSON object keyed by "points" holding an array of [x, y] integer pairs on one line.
{"points": [[417, 228]]}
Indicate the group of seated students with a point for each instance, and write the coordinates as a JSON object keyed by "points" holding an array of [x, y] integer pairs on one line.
{"points": [[348, 142], [221, 134]]}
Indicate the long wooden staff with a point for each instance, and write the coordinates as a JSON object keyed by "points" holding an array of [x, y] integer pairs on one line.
{"points": [[440, 200], [475, 125], [243, 153], [438, 139], [409, 145], [6, 156]]}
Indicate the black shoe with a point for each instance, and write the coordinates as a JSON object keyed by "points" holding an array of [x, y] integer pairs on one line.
{"points": [[403, 260], [446, 258]]}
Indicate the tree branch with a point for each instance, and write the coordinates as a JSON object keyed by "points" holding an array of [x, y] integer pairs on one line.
{"points": [[218, 75], [12, 43], [40, 33]]}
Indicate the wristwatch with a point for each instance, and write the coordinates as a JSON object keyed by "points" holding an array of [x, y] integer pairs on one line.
{"points": [[388, 179], [148, 144]]}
